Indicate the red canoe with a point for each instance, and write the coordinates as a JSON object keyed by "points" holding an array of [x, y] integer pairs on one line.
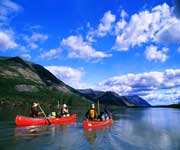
{"points": [[27, 121], [94, 124]]}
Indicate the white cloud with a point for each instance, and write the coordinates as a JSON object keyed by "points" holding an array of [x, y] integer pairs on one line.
{"points": [[26, 56], [152, 53], [7, 41], [162, 98], [155, 87], [157, 25], [77, 48], [68, 75], [51, 54], [123, 14], [7, 9], [65, 73], [105, 26], [119, 26], [33, 45], [143, 84], [10, 5], [170, 32], [36, 37], [34, 40]]}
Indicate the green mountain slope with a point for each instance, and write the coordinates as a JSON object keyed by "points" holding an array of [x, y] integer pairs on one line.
{"points": [[24, 82]]}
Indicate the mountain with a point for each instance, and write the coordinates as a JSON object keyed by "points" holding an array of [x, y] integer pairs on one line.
{"points": [[92, 94], [112, 98], [24, 82]]}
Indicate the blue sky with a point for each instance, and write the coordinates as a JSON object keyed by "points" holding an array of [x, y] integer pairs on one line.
{"points": [[130, 47]]}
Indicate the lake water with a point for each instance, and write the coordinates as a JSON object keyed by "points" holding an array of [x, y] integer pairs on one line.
{"points": [[133, 129]]}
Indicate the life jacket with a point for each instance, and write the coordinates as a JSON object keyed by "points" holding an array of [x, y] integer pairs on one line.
{"points": [[53, 114], [92, 113]]}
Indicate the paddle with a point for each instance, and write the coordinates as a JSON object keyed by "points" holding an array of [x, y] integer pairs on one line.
{"points": [[44, 114], [98, 107], [58, 105]]}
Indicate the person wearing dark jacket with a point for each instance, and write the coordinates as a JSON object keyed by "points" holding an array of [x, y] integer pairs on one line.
{"points": [[108, 113], [34, 113]]}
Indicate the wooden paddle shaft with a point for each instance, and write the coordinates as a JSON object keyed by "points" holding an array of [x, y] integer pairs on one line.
{"points": [[42, 111], [98, 107]]}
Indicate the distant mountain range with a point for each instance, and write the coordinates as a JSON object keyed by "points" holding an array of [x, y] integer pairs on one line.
{"points": [[22, 82], [112, 98]]}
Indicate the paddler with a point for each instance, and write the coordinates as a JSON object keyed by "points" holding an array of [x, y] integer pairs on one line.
{"points": [[65, 111], [108, 113], [34, 110], [91, 114]]}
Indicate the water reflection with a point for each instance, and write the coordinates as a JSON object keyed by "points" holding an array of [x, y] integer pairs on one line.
{"points": [[148, 129], [34, 131], [98, 138], [132, 129], [56, 136], [90, 135], [27, 131]]}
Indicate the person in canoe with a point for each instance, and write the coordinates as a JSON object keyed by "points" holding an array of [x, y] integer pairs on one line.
{"points": [[91, 113], [53, 115], [101, 116], [65, 111], [107, 113], [34, 111]]}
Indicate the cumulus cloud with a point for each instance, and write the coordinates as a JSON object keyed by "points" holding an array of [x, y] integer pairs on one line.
{"points": [[142, 84], [163, 97], [7, 41], [119, 26], [68, 75], [34, 40], [152, 53], [121, 23], [169, 33], [7, 9], [51, 54], [157, 25], [35, 37], [78, 48], [105, 26], [65, 73], [26, 56]]}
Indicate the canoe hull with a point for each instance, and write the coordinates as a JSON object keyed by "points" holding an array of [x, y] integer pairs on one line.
{"points": [[27, 121], [95, 124]]}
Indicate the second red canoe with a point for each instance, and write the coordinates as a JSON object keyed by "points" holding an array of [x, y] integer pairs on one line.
{"points": [[94, 124]]}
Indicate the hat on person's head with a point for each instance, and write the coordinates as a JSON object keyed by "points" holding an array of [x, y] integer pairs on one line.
{"points": [[64, 105], [35, 104], [92, 106]]}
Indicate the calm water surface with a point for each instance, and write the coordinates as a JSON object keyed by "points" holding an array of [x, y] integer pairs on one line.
{"points": [[133, 129]]}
